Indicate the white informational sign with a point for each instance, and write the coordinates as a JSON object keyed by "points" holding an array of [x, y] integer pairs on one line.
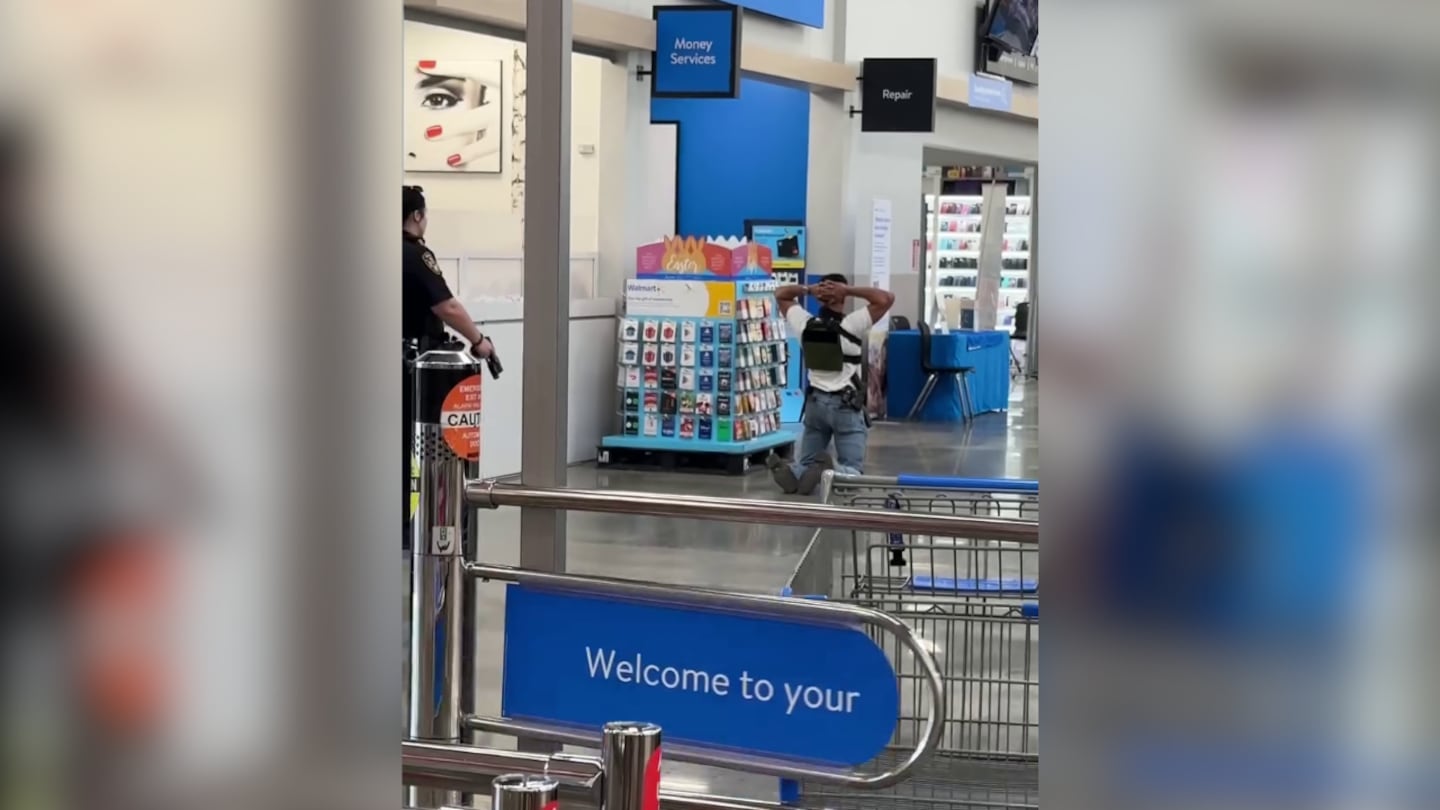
{"points": [[881, 225], [675, 298]]}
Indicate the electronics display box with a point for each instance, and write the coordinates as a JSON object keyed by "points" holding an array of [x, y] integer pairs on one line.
{"points": [[702, 364]]}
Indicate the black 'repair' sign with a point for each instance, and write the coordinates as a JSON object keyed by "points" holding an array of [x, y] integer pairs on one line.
{"points": [[897, 95]]}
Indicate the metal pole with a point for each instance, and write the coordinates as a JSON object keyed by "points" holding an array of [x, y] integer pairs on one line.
{"points": [[630, 755], [516, 791], [447, 410], [546, 175], [493, 494]]}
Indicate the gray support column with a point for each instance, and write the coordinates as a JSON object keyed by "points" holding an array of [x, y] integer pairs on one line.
{"points": [[547, 275], [1032, 330]]}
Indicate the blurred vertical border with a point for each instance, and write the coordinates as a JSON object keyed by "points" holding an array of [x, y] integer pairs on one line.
{"points": [[199, 307], [1238, 397]]}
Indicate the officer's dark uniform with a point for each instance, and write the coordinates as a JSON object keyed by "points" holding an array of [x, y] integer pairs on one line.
{"points": [[422, 329]]}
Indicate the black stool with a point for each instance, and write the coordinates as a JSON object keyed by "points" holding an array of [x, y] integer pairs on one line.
{"points": [[1022, 327], [933, 373]]}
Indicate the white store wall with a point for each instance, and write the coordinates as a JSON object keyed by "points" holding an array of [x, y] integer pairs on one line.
{"points": [[473, 212]]}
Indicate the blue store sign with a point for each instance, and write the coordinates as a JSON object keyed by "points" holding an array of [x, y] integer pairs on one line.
{"points": [[814, 692], [805, 12], [988, 93], [697, 52]]}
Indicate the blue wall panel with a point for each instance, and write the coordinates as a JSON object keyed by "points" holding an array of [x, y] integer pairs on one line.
{"points": [[805, 12], [739, 159]]}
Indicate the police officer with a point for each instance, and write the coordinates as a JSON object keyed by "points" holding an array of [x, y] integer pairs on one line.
{"points": [[428, 307]]}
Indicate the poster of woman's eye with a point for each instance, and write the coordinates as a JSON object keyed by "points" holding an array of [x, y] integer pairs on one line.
{"points": [[452, 115]]}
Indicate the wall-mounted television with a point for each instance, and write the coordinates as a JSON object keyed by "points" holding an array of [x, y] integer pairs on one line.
{"points": [[1008, 40], [786, 240]]}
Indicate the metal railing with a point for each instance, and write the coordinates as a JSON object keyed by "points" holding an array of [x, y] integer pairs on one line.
{"points": [[613, 781], [493, 494]]}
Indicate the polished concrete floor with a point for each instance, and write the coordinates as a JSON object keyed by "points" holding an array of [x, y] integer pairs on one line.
{"points": [[737, 557]]}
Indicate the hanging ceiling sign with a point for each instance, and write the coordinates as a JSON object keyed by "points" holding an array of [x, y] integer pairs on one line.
{"points": [[697, 52], [988, 93], [898, 95]]}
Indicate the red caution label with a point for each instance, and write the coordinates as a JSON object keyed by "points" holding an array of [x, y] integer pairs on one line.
{"points": [[460, 418]]}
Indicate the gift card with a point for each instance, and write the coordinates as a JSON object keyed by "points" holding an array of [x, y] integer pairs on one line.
{"points": [[727, 332], [722, 405], [707, 381], [687, 402], [652, 376], [632, 377], [723, 356], [687, 427], [667, 379], [707, 356], [629, 354], [722, 430], [629, 329], [667, 426], [652, 425], [652, 401], [707, 332], [632, 425], [668, 355], [650, 355], [668, 329], [632, 401], [687, 355], [650, 331], [706, 428], [722, 381], [669, 403], [687, 379], [705, 404], [687, 332]]}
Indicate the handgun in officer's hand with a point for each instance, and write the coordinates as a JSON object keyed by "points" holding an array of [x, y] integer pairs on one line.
{"points": [[492, 361]]}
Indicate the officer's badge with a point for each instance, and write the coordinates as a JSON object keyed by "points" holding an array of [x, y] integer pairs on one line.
{"points": [[430, 262]]}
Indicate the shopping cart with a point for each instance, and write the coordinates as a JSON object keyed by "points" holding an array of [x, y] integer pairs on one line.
{"points": [[977, 602]]}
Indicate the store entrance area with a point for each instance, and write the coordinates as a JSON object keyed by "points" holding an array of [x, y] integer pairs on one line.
{"points": [[739, 557]]}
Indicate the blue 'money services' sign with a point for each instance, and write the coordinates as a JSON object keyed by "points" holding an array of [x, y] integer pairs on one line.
{"points": [[697, 52], [821, 693]]}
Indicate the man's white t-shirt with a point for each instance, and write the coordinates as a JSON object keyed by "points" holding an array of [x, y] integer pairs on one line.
{"points": [[856, 323]]}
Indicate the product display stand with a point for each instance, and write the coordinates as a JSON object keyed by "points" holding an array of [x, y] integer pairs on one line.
{"points": [[953, 253], [703, 360]]}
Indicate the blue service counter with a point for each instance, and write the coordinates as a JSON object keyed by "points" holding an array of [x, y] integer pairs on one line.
{"points": [[988, 352]]}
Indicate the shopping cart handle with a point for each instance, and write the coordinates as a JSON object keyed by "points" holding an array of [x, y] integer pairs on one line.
{"points": [[983, 484]]}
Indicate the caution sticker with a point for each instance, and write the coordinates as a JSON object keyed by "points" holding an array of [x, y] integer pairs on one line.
{"points": [[414, 485], [460, 418], [444, 541]]}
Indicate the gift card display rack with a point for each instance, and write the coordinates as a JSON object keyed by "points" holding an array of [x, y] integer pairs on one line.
{"points": [[702, 361]]}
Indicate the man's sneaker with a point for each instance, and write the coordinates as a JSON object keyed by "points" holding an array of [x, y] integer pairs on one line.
{"points": [[781, 472], [811, 477]]}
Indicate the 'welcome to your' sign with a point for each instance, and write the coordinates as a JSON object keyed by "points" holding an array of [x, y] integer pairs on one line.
{"points": [[779, 688]]}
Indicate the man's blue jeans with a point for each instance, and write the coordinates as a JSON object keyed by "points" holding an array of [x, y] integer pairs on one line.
{"points": [[827, 418]]}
